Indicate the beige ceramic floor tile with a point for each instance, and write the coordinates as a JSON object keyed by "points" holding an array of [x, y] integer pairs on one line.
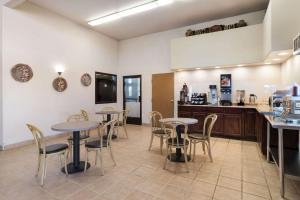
{"points": [[230, 183], [222, 193], [252, 197], [257, 190]]}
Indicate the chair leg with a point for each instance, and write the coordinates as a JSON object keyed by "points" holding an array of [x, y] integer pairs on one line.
{"points": [[151, 140], [186, 159], [86, 159], [166, 160], [112, 155], [96, 158], [101, 162], [39, 165], [209, 151], [125, 130], [71, 149], [161, 145], [191, 141], [203, 147], [44, 170], [194, 151], [66, 159]]}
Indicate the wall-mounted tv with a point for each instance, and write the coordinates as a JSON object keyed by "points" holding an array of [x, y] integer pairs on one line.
{"points": [[105, 88]]}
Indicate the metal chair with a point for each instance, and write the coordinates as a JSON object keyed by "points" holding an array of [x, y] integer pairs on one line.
{"points": [[204, 137], [174, 141], [157, 129], [45, 151], [98, 144], [122, 123]]}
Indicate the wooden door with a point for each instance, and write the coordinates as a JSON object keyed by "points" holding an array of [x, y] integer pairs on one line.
{"points": [[233, 124], [250, 120], [163, 94]]}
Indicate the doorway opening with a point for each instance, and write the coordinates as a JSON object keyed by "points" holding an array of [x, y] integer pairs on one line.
{"points": [[132, 98]]}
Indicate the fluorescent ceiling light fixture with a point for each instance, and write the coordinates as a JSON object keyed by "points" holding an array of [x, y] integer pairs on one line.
{"points": [[276, 59], [283, 54], [130, 11]]}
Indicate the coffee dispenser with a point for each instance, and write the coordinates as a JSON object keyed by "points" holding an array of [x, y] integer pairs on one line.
{"points": [[213, 94], [226, 94]]}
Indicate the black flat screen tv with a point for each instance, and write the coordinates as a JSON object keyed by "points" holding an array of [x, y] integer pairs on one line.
{"points": [[105, 88]]}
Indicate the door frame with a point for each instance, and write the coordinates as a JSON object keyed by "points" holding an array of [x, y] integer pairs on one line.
{"points": [[133, 120]]}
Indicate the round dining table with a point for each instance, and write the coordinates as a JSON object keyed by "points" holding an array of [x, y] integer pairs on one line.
{"points": [[75, 127], [179, 156], [109, 114]]}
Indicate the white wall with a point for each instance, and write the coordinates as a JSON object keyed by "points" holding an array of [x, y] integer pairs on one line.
{"points": [[251, 79], [150, 54], [42, 39], [290, 71], [1, 130]]}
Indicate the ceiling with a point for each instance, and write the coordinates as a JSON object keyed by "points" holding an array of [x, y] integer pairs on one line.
{"points": [[180, 13]]}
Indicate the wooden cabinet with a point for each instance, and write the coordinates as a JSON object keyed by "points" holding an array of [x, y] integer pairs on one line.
{"points": [[184, 114], [250, 123], [232, 124], [218, 128], [200, 116]]}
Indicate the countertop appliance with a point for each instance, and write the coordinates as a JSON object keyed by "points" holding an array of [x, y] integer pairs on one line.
{"points": [[225, 83], [199, 99], [291, 109], [252, 99], [240, 97], [213, 95]]}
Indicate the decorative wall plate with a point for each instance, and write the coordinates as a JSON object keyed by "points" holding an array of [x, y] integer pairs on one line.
{"points": [[60, 84], [21, 72], [86, 79]]}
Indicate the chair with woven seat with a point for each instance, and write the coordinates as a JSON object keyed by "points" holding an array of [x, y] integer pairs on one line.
{"points": [[157, 129], [84, 135], [98, 144], [174, 141], [46, 150], [121, 123], [203, 137], [107, 108]]}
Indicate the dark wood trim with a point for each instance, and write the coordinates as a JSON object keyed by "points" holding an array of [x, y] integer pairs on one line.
{"points": [[133, 120]]}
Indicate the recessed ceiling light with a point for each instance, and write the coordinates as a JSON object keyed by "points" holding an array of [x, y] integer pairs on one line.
{"points": [[179, 70], [217, 67], [276, 59], [198, 68], [241, 65], [130, 11], [283, 54], [268, 63]]}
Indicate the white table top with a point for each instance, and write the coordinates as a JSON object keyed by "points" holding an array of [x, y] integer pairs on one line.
{"points": [[184, 120], [109, 112], [75, 126]]}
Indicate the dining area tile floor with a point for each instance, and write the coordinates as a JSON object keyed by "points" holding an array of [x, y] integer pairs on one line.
{"points": [[238, 171]]}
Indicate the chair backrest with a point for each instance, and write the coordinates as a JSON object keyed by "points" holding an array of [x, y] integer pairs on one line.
{"points": [[154, 117], [177, 125], [75, 118], [38, 137], [85, 115], [102, 130], [209, 124]]}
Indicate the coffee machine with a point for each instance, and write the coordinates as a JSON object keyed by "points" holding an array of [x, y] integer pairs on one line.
{"points": [[213, 99], [240, 97], [226, 94]]}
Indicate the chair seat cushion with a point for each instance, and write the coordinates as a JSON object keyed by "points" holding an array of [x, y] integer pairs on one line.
{"points": [[197, 136], [96, 144], [82, 137], [175, 142], [55, 148], [161, 131]]}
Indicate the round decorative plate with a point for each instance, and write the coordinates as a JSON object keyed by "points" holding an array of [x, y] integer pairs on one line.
{"points": [[60, 84], [21, 72], [86, 79]]}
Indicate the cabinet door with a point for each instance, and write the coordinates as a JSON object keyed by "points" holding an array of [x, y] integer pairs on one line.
{"points": [[250, 123], [218, 128], [233, 124], [184, 114], [200, 116]]}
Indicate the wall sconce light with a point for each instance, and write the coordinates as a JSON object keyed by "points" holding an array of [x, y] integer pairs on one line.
{"points": [[59, 84], [59, 69]]}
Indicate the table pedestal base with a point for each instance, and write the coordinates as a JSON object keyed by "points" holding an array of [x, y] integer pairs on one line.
{"points": [[176, 158], [72, 169]]}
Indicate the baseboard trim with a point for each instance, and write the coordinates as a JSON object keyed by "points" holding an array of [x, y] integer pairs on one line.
{"points": [[29, 142]]}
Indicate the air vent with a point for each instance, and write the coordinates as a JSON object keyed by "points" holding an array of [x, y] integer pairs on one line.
{"points": [[297, 45]]}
